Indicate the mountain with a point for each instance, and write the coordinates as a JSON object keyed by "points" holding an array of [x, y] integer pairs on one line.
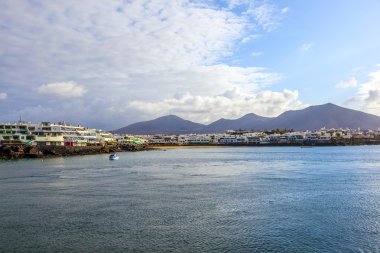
{"points": [[170, 124], [327, 115], [310, 118], [247, 122]]}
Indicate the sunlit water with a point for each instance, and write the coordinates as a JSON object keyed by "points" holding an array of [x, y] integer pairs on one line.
{"points": [[246, 199]]}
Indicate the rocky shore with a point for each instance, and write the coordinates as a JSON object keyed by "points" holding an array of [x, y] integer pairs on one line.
{"points": [[20, 151]]}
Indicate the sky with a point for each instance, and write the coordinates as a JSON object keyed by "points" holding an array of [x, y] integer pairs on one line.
{"points": [[107, 64]]}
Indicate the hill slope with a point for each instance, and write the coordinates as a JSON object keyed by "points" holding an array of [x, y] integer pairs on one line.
{"points": [[327, 115], [247, 122], [310, 118], [170, 124]]}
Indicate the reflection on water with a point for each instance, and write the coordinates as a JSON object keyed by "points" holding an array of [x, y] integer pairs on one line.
{"points": [[231, 199]]}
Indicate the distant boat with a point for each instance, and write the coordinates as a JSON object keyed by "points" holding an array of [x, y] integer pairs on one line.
{"points": [[114, 157]]}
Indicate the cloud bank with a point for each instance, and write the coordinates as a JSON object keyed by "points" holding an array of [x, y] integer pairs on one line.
{"points": [[115, 56], [368, 94], [231, 104], [64, 89]]}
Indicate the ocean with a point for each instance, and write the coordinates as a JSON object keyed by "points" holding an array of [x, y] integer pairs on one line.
{"points": [[240, 199]]}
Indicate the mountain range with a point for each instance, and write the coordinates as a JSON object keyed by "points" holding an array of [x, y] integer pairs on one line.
{"points": [[310, 118]]}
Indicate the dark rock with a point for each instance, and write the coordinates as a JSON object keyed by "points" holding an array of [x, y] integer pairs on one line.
{"points": [[16, 152]]}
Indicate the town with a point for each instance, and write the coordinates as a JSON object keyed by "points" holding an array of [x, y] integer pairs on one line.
{"points": [[272, 138], [62, 134], [28, 140]]}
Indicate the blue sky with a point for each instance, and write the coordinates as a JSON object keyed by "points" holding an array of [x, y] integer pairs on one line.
{"points": [[107, 64], [343, 38]]}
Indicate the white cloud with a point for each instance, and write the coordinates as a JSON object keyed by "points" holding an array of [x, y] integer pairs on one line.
{"points": [[264, 15], [121, 51], [236, 3], [254, 54], [63, 89], [348, 83], [285, 10], [307, 46], [267, 16], [368, 94], [249, 38], [230, 104], [3, 95]]}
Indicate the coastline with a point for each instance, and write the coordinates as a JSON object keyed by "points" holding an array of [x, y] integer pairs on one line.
{"points": [[357, 142], [21, 152]]}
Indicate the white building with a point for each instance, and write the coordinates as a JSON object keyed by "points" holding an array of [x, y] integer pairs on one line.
{"points": [[17, 133]]}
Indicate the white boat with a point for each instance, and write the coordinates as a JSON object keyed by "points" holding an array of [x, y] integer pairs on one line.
{"points": [[114, 157]]}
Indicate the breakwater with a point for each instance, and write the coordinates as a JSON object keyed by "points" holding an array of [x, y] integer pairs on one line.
{"points": [[22, 151]]}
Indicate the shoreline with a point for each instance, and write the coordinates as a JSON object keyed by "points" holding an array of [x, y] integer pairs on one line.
{"points": [[32, 152], [16, 152], [307, 145]]}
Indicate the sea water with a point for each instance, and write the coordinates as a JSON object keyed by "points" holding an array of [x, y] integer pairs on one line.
{"points": [[248, 199]]}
